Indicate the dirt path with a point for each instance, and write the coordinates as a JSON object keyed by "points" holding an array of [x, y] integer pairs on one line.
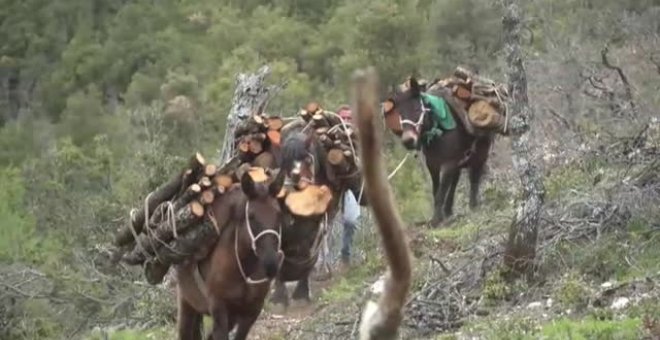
{"points": [[272, 325]]}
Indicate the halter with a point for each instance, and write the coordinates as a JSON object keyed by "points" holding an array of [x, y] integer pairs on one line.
{"points": [[253, 240], [418, 124]]}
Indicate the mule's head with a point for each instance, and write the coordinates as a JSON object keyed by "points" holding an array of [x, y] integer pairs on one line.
{"points": [[263, 220], [298, 157], [405, 113]]}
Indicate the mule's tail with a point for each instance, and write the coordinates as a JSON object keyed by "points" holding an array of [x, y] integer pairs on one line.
{"points": [[382, 320]]}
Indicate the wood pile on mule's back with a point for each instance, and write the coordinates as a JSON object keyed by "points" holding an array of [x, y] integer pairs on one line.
{"points": [[483, 99]]}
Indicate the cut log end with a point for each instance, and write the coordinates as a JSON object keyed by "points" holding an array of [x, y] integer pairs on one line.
{"points": [[336, 157], [311, 201], [197, 208], [258, 174], [224, 181], [275, 123], [207, 197], [205, 182], [210, 170], [484, 115]]}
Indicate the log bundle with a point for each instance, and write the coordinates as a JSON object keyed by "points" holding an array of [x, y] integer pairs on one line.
{"points": [[258, 140], [482, 98], [173, 225], [338, 139]]}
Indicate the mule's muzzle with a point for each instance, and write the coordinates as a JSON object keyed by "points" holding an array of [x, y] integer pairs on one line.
{"points": [[409, 139], [271, 266]]}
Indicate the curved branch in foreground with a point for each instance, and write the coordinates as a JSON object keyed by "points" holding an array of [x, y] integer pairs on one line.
{"points": [[382, 320]]}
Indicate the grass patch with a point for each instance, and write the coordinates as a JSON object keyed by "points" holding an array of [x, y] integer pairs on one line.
{"points": [[163, 333], [590, 328], [520, 327], [354, 281]]}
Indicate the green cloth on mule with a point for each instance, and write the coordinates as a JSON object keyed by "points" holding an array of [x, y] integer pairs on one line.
{"points": [[440, 115]]}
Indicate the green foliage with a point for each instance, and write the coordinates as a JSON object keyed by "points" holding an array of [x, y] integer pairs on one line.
{"points": [[573, 292], [16, 225], [495, 288], [593, 329]]}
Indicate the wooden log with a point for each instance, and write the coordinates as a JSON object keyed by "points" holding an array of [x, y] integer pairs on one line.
{"points": [[163, 193], [484, 115], [155, 271], [274, 137], [467, 75], [265, 160], [230, 166], [184, 198], [310, 201], [493, 101], [244, 146], [207, 197], [326, 141], [224, 181], [209, 170], [184, 218], [461, 92], [319, 120], [194, 243], [338, 160], [255, 146], [275, 123], [322, 130], [205, 182]]}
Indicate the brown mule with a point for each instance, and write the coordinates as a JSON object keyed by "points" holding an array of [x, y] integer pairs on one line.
{"points": [[446, 155], [302, 160], [232, 282]]}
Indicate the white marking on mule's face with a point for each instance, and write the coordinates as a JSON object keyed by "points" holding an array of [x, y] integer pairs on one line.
{"points": [[297, 168]]}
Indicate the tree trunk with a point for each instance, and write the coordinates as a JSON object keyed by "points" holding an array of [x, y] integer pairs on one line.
{"points": [[521, 248], [250, 96]]}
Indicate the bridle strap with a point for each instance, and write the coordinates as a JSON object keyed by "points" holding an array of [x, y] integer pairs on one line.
{"points": [[253, 241], [418, 124]]}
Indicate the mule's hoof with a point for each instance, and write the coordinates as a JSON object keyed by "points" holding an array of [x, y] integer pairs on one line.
{"points": [[420, 223], [278, 308], [321, 276], [301, 303], [436, 223]]}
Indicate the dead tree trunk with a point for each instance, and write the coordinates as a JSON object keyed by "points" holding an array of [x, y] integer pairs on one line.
{"points": [[250, 95], [521, 248]]}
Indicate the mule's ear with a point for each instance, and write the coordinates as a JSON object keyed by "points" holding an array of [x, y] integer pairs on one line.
{"points": [[248, 186], [415, 88], [276, 185]]}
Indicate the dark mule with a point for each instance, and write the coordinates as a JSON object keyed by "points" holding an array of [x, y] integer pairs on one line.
{"points": [[232, 282], [445, 155], [302, 160]]}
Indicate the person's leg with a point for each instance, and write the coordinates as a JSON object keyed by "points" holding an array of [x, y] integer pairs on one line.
{"points": [[347, 241]]}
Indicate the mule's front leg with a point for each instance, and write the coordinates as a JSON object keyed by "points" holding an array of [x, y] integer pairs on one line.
{"points": [[189, 322], [220, 321], [301, 294], [476, 172], [446, 179], [244, 325], [280, 295]]}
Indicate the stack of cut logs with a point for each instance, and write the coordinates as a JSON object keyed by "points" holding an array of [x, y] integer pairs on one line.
{"points": [[258, 140], [337, 137], [483, 99], [171, 226]]}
